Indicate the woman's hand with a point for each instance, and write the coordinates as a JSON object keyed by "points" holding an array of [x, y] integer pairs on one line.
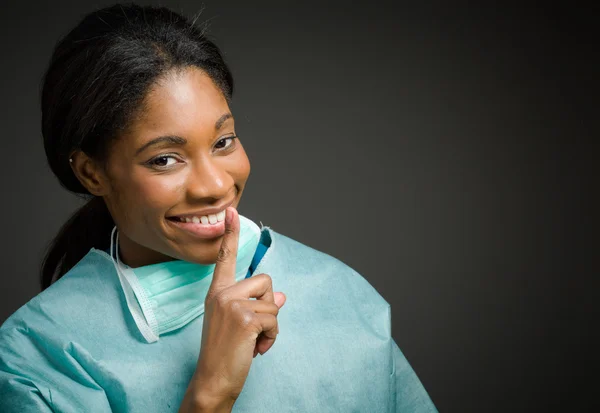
{"points": [[235, 328]]}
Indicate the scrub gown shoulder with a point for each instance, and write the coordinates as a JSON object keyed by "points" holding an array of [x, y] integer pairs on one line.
{"points": [[76, 348]]}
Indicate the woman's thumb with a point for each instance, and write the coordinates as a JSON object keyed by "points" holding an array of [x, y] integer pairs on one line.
{"points": [[279, 299]]}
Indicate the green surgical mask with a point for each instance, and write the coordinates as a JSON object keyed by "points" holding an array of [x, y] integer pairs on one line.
{"points": [[166, 296]]}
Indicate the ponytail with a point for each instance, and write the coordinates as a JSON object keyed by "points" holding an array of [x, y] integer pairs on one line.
{"points": [[89, 227]]}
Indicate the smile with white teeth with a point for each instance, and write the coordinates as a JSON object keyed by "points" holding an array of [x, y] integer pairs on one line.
{"points": [[205, 219]]}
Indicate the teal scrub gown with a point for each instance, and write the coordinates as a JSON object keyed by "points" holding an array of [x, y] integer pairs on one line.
{"points": [[76, 348]]}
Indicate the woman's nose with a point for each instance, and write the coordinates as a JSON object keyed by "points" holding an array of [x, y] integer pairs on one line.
{"points": [[209, 179]]}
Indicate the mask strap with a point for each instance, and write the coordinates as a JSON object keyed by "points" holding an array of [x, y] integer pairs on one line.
{"points": [[112, 238], [135, 302]]}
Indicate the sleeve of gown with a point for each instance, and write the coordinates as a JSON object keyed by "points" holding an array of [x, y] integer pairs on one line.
{"points": [[38, 375], [411, 396], [19, 394]]}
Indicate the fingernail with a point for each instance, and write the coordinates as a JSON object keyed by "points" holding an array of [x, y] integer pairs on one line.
{"points": [[228, 214]]}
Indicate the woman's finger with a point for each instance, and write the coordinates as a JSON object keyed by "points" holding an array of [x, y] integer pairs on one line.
{"points": [[224, 273], [267, 338], [259, 306], [258, 286]]}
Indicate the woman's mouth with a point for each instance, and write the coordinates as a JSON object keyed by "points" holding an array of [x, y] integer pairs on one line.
{"points": [[204, 219], [205, 226]]}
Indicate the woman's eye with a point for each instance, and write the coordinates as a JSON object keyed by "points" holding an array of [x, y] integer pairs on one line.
{"points": [[224, 140], [163, 161]]}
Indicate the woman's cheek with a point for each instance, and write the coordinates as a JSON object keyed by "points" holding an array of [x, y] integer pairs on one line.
{"points": [[160, 193]]}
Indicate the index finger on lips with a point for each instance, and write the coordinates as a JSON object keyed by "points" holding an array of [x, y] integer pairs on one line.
{"points": [[224, 274]]}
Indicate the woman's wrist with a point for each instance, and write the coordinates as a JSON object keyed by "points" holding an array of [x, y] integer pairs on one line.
{"points": [[205, 402], [201, 396]]}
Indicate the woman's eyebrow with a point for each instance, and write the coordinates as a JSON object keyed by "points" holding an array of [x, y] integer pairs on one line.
{"points": [[219, 123], [178, 140], [171, 140]]}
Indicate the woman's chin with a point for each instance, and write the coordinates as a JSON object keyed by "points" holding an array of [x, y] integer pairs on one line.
{"points": [[203, 254]]}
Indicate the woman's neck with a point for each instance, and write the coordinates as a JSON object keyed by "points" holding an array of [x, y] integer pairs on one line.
{"points": [[135, 255]]}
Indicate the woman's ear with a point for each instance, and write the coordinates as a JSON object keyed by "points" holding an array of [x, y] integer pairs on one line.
{"points": [[90, 173]]}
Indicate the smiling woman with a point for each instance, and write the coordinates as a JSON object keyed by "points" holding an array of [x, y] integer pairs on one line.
{"points": [[179, 158], [157, 295]]}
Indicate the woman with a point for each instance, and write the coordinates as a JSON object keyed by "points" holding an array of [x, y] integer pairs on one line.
{"points": [[157, 296]]}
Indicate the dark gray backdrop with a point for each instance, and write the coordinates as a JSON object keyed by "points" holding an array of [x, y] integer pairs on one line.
{"points": [[442, 153]]}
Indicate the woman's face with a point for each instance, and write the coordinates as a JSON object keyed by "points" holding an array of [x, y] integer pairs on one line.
{"points": [[179, 161]]}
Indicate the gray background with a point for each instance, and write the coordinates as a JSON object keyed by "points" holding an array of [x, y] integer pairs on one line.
{"points": [[444, 154]]}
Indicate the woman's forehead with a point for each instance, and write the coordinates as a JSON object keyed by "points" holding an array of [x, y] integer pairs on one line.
{"points": [[182, 102]]}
